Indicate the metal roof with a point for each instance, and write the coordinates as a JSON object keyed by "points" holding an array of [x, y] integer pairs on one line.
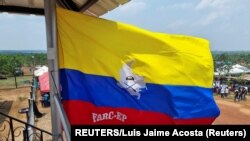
{"points": [[90, 7]]}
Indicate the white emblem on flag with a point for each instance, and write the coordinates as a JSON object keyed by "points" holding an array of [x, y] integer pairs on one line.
{"points": [[133, 83]]}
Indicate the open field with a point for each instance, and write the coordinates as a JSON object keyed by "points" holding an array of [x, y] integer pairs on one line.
{"points": [[22, 81], [233, 112]]}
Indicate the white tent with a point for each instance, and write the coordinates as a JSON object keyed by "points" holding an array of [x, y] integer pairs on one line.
{"points": [[40, 71], [237, 69]]}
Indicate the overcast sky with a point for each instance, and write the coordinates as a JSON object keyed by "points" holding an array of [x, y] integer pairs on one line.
{"points": [[225, 23]]}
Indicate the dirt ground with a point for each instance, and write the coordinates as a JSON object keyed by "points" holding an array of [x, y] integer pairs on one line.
{"points": [[233, 112], [11, 100]]}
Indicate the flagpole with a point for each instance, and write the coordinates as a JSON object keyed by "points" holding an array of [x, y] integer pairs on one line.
{"points": [[57, 114]]}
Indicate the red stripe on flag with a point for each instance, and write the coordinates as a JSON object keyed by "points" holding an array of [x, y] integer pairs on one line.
{"points": [[80, 113]]}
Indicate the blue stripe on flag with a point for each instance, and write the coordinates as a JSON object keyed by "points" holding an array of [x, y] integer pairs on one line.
{"points": [[175, 101]]}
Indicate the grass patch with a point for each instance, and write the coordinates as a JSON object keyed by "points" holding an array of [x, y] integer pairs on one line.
{"points": [[10, 82]]}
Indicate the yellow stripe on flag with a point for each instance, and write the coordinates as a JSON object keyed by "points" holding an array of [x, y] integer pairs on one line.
{"points": [[101, 47]]}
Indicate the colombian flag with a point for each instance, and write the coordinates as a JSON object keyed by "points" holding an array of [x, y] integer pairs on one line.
{"points": [[115, 73]]}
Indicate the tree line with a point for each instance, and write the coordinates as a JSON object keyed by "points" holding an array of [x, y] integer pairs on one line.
{"points": [[10, 64], [231, 58]]}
